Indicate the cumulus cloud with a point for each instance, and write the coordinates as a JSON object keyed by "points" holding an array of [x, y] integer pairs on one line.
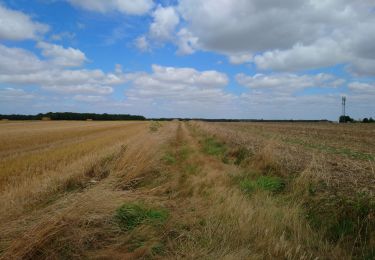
{"points": [[142, 43], [287, 83], [132, 7], [15, 25], [165, 21], [187, 43], [240, 58], [286, 35], [182, 91], [21, 67], [89, 99], [66, 57], [15, 95], [362, 88], [323, 53], [16, 61]]}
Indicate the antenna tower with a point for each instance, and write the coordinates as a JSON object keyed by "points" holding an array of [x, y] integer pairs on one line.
{"points": [[343, 106]]}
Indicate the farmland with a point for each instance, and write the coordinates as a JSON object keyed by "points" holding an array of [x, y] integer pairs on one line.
{"points": [[167, 190]]}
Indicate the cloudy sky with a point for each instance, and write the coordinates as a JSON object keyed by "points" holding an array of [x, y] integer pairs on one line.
{"points": [[189, 58]]}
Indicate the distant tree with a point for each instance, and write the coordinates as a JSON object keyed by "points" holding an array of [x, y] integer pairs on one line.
{"points": [[345, 119], [368, 120], [73, 116]]}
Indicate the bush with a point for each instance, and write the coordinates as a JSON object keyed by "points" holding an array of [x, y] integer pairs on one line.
{"points": [[345, 119]]}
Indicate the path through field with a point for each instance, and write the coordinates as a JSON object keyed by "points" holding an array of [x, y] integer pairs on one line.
{"points": [[142, 190]]}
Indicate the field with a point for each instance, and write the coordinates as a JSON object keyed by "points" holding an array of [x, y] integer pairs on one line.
{"points": [[196, 190]]}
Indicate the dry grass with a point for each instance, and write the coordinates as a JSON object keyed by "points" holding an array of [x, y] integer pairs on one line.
{"points": [[61, 191]]}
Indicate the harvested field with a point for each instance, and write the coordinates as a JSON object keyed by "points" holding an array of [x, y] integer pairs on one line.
{"points": [[196, 190]]}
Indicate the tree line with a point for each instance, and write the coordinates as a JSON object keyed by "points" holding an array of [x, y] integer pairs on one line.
{"points": [[73, 116], [348, 119]]}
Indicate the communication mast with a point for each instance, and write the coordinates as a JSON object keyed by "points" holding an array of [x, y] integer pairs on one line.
{"points": [[343, 106]]}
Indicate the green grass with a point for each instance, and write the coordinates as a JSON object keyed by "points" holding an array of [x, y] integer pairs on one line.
{"points": [[131, 215], [266, 183], [168, 158], [212, 146], [343, 217]]}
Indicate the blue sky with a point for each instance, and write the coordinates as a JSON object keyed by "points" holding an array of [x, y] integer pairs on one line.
{"points": [[188, 58]]}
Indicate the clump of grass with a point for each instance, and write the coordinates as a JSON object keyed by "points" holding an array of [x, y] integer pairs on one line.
{"points": [[154, 126], [212, 146], [266, 183], [184, 152], [240, 155], [168, 158], [344, 218], [131, 215]]}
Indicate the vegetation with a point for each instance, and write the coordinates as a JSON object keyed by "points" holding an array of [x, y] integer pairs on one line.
{"points": [[132, 215], [345, 119], [197, 190], [368, 120], [73, 116]]}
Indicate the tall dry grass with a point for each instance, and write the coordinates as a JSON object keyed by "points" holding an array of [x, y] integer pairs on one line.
{"points": [[331, 191], [54, 213], [215, 203]]}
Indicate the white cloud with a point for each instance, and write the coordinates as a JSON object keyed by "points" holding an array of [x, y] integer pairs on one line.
{"points": [[63, 35], [89, 99], [15, 25], [142, 44], [66, 57], [132, 7], [186, 42], [18, 61], [15, 95], [286, 35], [240, 58], [287, 83], [324, 53], [21, 67], [362, 88], [179, 91], [165, 21]]}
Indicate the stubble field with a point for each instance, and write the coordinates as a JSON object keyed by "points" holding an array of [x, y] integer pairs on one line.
{"points": [[196, 190]]}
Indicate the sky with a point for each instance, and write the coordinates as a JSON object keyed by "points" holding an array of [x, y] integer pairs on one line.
{"points": [[290, 59]]}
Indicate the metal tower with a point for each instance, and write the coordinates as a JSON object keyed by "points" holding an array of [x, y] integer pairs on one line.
{"points": [[343, 106]]}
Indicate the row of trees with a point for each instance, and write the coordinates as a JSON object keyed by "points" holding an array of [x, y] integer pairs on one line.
{"points": [[348, 119], [73, 116]]}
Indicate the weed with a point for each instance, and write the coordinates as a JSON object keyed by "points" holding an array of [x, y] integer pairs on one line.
{"points": [[191, 168], [131, 215], [169, 159], [273, 184], [247, 186], [266, 183], [183, 153], [240, 155], [212, 146]]}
